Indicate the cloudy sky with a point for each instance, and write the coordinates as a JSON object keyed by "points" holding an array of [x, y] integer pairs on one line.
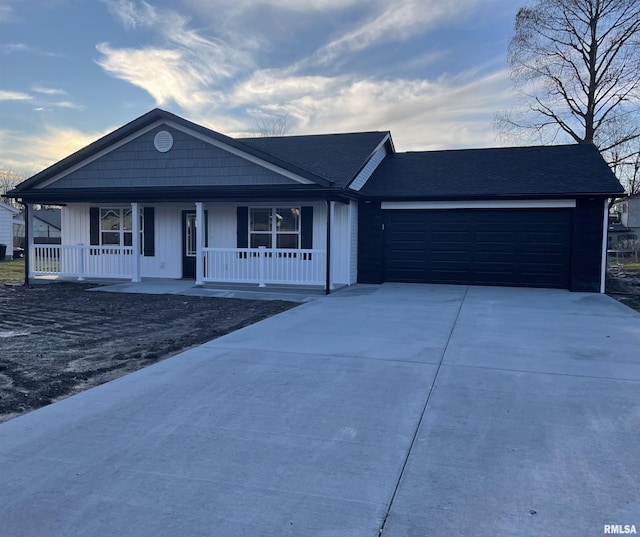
{"points": [[431, 71]]}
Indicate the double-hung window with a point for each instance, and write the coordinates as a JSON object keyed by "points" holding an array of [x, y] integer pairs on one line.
{"points": [[116, 227], [274, 227]]}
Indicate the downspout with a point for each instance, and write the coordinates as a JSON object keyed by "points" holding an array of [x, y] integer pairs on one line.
{"points": [[327, 288]]}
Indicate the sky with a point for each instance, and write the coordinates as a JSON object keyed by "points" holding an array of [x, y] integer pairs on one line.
{"points": [[433, 72]]}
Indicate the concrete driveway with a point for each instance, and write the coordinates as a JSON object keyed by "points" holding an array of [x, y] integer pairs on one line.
{"points": [[407, 409]]}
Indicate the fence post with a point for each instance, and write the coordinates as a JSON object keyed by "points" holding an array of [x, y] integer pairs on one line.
{"points": [[261, 261], [80, 254]]}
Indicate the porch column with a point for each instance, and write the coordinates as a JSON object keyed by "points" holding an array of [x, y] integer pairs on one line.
{"points": [[135, 242], [199, 243], [28, 237]]}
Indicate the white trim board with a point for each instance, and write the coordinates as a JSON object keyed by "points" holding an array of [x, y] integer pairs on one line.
{"points": [[605, 236], [488, 204]]}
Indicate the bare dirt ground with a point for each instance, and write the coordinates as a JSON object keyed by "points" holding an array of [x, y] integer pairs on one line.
{"points": [[60, 339], [623, 284]]}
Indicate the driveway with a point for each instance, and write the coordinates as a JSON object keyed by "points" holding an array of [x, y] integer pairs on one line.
{"points": [[408, 409]]}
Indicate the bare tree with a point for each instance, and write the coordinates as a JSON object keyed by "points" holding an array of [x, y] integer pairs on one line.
{"points": [[9, 178], [272, 125], [576, 65]]}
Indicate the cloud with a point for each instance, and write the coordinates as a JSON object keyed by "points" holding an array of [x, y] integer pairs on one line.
{"points": [[447, 112], [392, 22], [51, 144], [12, 48], [183, 69], [14, 96], [48, 91]]}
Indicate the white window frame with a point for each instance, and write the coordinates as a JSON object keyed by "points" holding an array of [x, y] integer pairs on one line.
{"points": [[273, 232], [120, 231]]}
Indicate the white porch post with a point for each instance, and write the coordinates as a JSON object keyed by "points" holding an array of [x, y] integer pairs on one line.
{"points": [[31, 258], [199, 243], [135, 242]]}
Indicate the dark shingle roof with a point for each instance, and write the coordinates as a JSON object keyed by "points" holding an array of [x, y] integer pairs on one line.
{"points": [[336, 157], [498, 172], [53, 217]]}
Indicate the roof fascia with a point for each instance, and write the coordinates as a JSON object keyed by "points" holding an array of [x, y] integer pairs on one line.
{"points": [[9, 208], [382, 143]]}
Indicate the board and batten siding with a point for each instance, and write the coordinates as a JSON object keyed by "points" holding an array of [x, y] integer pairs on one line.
{"points": [[353, 243], [222, 233]]}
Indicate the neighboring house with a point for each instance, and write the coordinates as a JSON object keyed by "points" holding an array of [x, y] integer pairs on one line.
{"points": [[624, 224], [6, 228], [165, 197], [47, 227]]}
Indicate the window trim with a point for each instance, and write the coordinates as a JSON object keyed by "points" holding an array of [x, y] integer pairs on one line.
{"points": [[120, 231], [273, 233]]}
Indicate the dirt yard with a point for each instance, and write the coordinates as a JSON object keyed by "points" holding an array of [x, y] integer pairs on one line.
{"points": [[60, 339], [623, 284]]}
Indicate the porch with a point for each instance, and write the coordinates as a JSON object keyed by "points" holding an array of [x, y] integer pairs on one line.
{"points": [[243, 266]]}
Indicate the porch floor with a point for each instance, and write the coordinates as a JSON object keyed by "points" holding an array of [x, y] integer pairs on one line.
{"points": [[161, 286]]}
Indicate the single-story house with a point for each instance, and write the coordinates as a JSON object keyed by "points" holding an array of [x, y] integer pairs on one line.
{"points": [[47, 227], [6, 229], [165, 197]]}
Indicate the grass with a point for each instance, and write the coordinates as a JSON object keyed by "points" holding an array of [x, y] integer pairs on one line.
{"points": [[12, 270]]}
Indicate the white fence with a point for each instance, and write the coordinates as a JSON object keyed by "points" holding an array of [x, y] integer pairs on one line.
{"points": [[81, 261], [264, 266]]}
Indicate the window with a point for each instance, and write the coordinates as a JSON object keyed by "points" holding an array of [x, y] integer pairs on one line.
{"points": [[116, 228], [274, 227]]}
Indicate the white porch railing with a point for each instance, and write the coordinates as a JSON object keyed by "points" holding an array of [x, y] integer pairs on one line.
{"points": [[81, 261], [261, 266], [265, 266]]}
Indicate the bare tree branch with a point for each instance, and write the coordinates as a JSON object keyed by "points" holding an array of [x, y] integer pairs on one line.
{"points": [[577, 65]]}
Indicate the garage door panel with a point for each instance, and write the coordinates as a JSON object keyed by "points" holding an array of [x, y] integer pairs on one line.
{"points": [[512, 247]]}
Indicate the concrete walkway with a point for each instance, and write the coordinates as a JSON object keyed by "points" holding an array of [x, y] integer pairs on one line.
{"points": [[415, 410]]}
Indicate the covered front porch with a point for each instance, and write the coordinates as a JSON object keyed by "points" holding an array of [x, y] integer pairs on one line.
{"points": [[233, 243]]}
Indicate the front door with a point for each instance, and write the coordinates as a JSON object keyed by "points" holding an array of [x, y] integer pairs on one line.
{"points": [[189, 243]]}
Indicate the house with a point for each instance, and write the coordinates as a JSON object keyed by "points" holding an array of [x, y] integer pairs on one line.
{"points": [[6, 230], [47, 227], [165, 197], [624, 224]]}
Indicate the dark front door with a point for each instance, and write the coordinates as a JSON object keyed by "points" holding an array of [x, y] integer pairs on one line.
{"points": [[189, 243], [512, 247]]}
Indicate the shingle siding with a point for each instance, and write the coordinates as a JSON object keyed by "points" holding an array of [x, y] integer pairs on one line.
{"points": [[191, 162]]}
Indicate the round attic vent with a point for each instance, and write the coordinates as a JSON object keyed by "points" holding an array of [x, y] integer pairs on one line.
{"points": [[163, 141]]}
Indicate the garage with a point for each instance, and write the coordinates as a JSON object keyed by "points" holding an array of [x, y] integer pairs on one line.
{"points": [[502, 247]]}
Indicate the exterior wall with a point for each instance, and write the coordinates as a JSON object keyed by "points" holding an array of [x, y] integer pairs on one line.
{"points": [[370, 242], [221, 232], [190, 162], [586, 245], [633, 212], [353, 243], [6, 230]]}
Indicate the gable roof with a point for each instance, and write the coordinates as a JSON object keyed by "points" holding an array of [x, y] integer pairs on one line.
{"points": [[306, 164], [336, 157], [157, 116], [562, 170], [8, 208], [51, 217]]}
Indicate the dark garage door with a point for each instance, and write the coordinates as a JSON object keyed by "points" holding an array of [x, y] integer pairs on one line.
{"points": [[512, 247]]}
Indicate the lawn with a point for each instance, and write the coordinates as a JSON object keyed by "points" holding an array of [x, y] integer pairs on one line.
{"points": [[12, 270]]}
